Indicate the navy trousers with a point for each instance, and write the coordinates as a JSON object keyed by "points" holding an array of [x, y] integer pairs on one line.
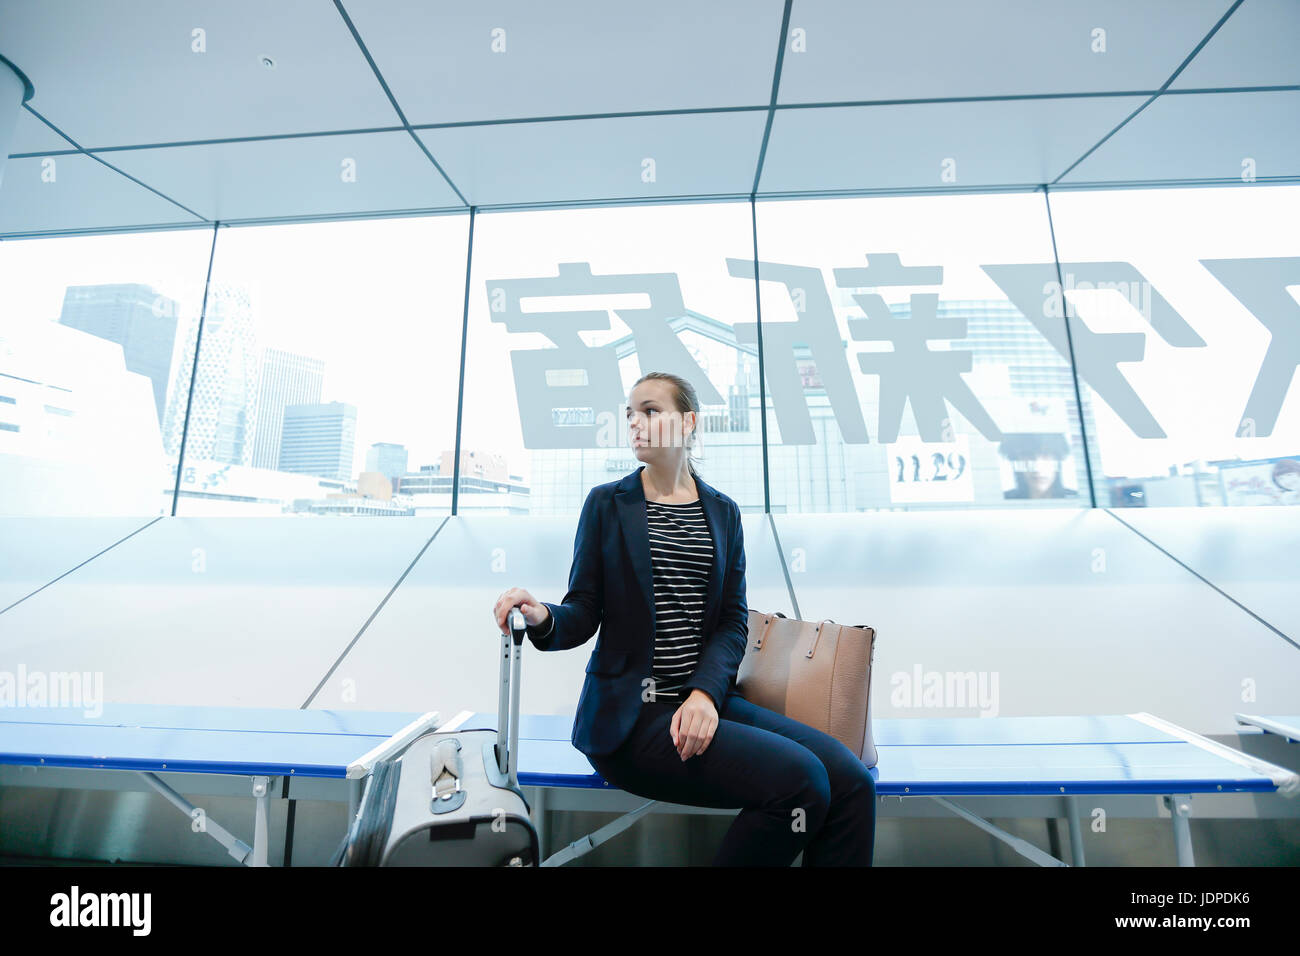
{"points": [[798, 788]]}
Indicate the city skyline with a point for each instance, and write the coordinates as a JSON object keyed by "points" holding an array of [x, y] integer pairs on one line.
{"points": [[386, 334]]}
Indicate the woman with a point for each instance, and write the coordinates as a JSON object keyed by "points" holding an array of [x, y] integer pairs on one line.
{"points": [[659, 567]]}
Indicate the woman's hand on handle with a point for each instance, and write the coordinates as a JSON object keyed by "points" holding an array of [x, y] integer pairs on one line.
{"points": [[534, 612], [693, 724]]}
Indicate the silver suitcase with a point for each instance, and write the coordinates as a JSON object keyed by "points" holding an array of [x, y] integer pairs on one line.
{"points": [[451, 798]]}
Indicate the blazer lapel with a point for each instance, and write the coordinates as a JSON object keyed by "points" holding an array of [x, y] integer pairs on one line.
{"points": [[630, 499], [717, 519]]}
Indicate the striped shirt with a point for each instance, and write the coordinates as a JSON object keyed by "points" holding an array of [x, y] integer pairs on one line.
{"points": [[681, 554]]}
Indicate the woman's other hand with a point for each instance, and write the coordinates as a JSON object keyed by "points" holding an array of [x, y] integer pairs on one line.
{"points": [[534, 612], [693, 724]]}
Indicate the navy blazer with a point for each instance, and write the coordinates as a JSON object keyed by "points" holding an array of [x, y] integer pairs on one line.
{"points": [[611, 587]]}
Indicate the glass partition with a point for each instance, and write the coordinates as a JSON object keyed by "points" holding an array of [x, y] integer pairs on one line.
{"points": [[915, 356], [94, 331], [328, 369], [900, 374], [567, 310], [1187, 335]]}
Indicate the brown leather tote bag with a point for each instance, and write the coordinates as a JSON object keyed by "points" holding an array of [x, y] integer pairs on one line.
{"points": [[818, 673]]}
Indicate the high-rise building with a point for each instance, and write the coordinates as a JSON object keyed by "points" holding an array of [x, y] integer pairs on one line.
{"points": [[998, 335], [78, 431], [388, 459], [319, 439], [223, 412], [287, 379], [135, 317]]}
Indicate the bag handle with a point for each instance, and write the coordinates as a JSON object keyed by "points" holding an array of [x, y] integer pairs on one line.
{"points": [[767, 626], [813, 650], [445, 769]]}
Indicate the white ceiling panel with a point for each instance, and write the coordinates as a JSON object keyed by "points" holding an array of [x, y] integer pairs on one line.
{"points": [[1256, 47], [484, 86], [303, 176], [518, 59], [85, 194], [33, 136], [991, 143], [699, 154], [1201, 136], [125, 73], [885, 50]]}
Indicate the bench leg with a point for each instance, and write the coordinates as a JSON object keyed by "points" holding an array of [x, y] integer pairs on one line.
{"points": [[1076, 832], [260, 787], [355, 786], [539, 820], [584, 845], [236, 847], [1023, 847], [1180, 810]]}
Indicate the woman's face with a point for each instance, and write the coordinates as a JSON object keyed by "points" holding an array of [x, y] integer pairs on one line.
{"points": [[1041, 474], [655, 428]]}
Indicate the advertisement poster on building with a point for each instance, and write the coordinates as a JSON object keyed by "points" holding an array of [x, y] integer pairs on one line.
{"points": [[1035, 454], [922, 472], [1272, 482]]}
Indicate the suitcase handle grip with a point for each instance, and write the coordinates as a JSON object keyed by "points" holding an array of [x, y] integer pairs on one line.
{"points": [[512, 645], [445, 763], [518, 625]]}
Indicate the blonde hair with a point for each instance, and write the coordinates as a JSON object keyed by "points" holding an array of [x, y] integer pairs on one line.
{"points": [[686, 400]]}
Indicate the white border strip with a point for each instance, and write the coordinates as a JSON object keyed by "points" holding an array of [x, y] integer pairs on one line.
{"points": [[1290, 732], [366, 762], [455, 722], [1286, 781]]}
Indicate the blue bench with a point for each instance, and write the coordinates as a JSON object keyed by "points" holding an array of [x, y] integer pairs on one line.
{"points": [[933, 758], [939, 758], [259, 743], [1286, 725]]}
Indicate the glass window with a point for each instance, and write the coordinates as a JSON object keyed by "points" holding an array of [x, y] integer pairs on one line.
{"points": [[1187, 334], [900, 374], [328, 369], [915, 356], [93, 331], [567, 310]]}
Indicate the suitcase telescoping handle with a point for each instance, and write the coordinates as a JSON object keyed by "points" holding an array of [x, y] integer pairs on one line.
{"points": [[508, 705]]}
